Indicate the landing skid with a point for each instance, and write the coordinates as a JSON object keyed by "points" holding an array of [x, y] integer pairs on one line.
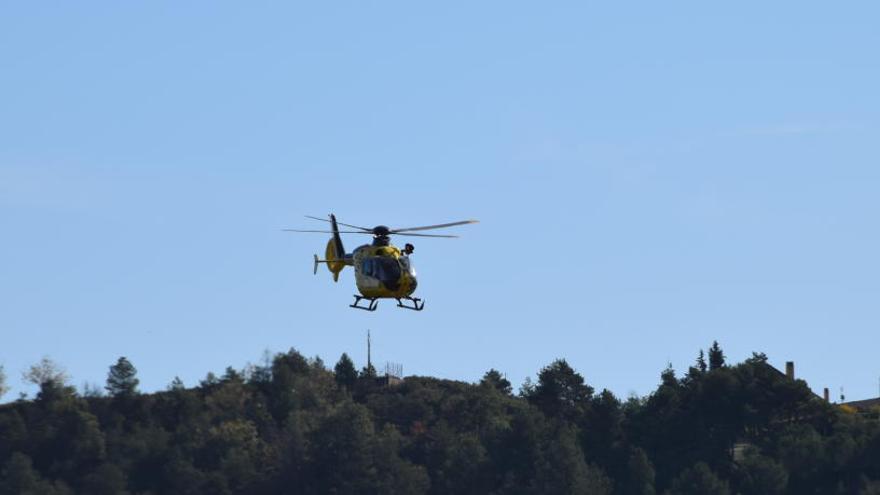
{"points": [[372, 303], [417, 304]]}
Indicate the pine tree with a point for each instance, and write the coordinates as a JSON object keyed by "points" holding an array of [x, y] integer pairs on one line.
{"points": [[122, 379], [639, 479], [697, 370], [232, 375], [667, 376], [210, 381], [346, 374], [560, 391], [716, 357], [761, 474], [176, 384], [19, 476], [699, 479], [106, 478], [496, 380]]}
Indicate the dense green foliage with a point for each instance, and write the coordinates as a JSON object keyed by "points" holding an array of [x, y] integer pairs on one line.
{"points": [[294, 426]]}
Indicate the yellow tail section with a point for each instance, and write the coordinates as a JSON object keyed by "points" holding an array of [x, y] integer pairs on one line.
{"points": [[334, 264]]}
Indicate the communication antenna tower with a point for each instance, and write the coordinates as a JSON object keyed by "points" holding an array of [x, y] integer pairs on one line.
{"points": [[369, 361], [393, 369]]}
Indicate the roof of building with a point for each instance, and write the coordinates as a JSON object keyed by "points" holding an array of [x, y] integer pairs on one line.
{"points": [[863, 404], [783, 375]]}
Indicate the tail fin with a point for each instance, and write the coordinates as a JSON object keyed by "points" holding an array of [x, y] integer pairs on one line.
{"points": [[334, 254], [340, 250]]}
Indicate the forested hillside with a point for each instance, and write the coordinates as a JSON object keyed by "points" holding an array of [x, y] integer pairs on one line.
{"points": [[294, 425]]}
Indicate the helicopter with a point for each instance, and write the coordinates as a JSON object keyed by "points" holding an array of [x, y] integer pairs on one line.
{"points": [[381, 270]]}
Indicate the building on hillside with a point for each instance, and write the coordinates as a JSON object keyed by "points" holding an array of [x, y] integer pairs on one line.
{"points": [[739, 448], [867, 407], [393, 371], [393, 375], [789, 373]]}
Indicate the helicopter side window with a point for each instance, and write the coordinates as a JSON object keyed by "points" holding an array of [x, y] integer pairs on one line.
{"points": [[367, 267], [406, 265]]}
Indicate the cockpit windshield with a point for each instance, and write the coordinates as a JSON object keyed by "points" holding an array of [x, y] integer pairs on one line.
{"points": [[382, 268]]}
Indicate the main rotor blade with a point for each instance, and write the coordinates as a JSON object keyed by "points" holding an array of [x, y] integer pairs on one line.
{"points": [[426, 235], [328, 231], [439, 226], [339, 223], [359, 232]]}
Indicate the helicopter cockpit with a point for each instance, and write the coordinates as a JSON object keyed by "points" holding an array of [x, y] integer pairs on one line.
{"points": [[385, 269]]}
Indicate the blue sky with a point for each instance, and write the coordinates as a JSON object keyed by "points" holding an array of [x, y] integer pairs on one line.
{"points": [[648, 178]]}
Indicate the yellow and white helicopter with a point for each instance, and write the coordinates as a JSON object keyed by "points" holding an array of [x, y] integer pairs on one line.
{"points": [[381, 270]]}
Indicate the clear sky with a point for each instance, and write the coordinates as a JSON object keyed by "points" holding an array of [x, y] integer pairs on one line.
{"points": [[649, 177]]}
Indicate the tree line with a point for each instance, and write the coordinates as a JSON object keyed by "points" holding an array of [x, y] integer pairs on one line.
{"points": [[295, 425]]}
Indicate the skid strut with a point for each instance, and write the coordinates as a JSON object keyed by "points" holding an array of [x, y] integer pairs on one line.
{"points": [[372, 304], [417, 304]]}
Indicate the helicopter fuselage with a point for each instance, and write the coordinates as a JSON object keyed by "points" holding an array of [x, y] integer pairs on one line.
{"points": [[383, 271]]}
